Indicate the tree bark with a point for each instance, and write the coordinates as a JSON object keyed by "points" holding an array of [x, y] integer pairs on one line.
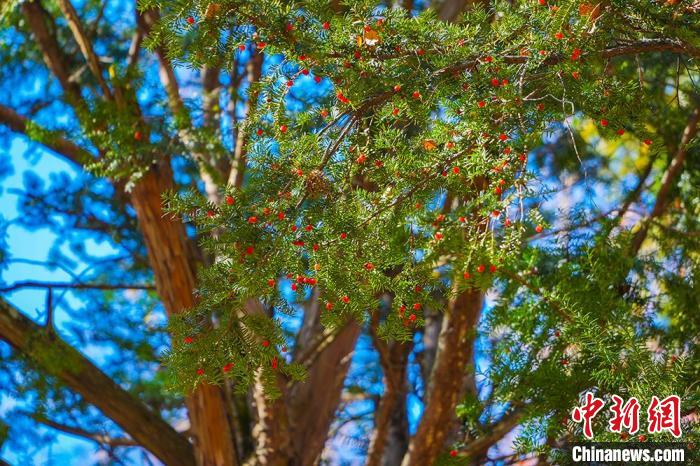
{"points": [[53, 355], [170, 257], [394, 359], [447, 384], [313, 402]]}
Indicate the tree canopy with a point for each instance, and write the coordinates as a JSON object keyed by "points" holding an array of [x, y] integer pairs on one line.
{"points": [[497, 201]]}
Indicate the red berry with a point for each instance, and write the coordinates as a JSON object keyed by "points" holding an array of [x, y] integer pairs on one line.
{"points": [[249, 250], [190, 20], [188, 340], [539, 228], [252, 219], [324, 113], [317, 79], [604, 122], [542, 2], [326, 25], [575, 74], [648, 142], [210, 213], [412, 317], [481, 104], [271, 282], [481, 268], [137, 135], [620, 132], [467, 275], [495, 82], [329, 306], [455, 170], [416, 95], [228, 367], [492, 268], [438, 236], [417, 306], [369, 266], [453, 453], [343, 235], [241, 47], [345, 299], [266, 343], [294, 286], [559, 35], [395, 111], [642, 438], [462, 219], [283, 128], [229, 200], [200, 371], [397, 88]]}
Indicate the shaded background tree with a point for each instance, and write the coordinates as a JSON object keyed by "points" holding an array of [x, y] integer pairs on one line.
{"points": [[134, 126]]}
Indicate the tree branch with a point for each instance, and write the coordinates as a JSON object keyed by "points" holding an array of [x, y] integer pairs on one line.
{"points": [[84, 43], [53, 355], [667, 181], [39, 20], [101, 439], [76, 286], [495, 432], [54, 140], [253, 72]]}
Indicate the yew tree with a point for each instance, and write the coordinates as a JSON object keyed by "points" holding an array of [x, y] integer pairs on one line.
{"points": [[352, 232]]}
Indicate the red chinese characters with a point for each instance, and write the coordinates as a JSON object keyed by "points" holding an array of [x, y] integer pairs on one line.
{"points": [[624, 415], [665, 415], [662, 415], [587, 412]]}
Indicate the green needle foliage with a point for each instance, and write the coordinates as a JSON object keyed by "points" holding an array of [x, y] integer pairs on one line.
{"points": [[410, 174]]}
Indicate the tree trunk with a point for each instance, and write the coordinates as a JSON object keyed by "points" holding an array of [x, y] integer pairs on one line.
{"points": [[447, 384], [313, 402], [394, 360], [170, 257]]}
